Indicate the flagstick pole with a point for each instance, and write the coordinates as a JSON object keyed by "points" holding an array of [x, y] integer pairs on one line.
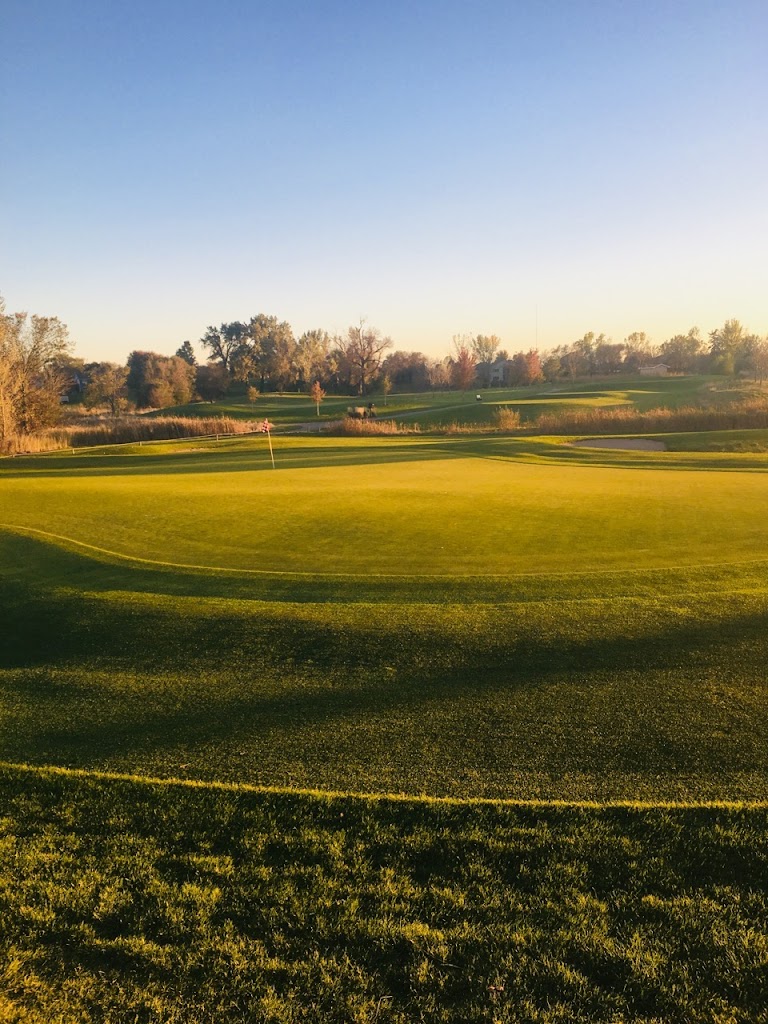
{"points": [[271, 453]]}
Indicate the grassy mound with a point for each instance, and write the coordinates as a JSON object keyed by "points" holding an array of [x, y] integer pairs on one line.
{"points": [[507, 692], [398, 506]]}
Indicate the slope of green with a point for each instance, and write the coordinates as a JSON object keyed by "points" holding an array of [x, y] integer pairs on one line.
{"points": [[741, 441], [424, 617], [626, 697], [123, 901], [399, 508]]}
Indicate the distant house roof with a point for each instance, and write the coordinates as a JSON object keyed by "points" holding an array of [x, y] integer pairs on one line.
{"points": [[655, 368]]}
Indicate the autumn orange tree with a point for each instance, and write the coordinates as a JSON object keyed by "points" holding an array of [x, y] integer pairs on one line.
{"points": [[31, 381], [317, 394], [463, 369]]}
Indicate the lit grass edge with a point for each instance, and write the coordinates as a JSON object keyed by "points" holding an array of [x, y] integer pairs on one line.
{"points": [[378, 798], [119, 558]]}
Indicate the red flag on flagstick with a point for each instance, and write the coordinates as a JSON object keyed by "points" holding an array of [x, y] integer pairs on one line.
{"points": [[265, 428]]}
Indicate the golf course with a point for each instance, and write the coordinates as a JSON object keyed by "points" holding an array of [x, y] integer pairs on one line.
{"points": [[428, 727]]}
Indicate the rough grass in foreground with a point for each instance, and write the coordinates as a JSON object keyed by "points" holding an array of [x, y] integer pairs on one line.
{"points": [[125, 901]]}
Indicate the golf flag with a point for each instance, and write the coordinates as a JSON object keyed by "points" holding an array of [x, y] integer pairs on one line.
{"points": [[265, 428]]}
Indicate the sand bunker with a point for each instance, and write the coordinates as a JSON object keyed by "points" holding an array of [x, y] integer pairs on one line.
{"points": [[639, 444]]}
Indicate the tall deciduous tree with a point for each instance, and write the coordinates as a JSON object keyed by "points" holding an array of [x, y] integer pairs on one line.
{"points": [[407, 371], [583, 355], [463, 368], [744, 364], [311, 357], [682, 353], [107, 386], [552, 366], [525, 369], [31, 382], [724, 346], [760, 359], [439, 373], [224, 342], [535, 369], [156, 381], [639, 351], [363, 350], [271, 347], [211, 382], [608, 356], [484, 348]]}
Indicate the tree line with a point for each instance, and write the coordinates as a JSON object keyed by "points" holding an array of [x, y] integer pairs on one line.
{"points": [[262, 354]]}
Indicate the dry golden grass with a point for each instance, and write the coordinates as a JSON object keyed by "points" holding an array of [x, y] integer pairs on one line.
{"points": [[746, 415], [127, 430], [506, 419], [351, 427]]}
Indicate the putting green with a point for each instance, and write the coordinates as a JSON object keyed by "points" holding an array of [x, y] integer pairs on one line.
{"points": [[435, 515]]}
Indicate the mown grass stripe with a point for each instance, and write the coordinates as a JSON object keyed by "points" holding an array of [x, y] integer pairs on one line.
{"points": [[568, 573], [376, 798]]}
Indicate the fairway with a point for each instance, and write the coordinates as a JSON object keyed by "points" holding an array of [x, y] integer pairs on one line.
{"points": [[443, 408]]}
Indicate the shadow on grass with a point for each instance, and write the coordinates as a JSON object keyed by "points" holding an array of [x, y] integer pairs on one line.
{"points": [[149, 679], [328, 452], [333, 453]]}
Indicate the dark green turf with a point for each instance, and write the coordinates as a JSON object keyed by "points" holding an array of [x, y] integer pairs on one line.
{"points": [[122, 901], [501, 694]]}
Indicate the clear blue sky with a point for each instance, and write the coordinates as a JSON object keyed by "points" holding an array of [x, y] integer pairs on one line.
{"points": [[437, 167]]}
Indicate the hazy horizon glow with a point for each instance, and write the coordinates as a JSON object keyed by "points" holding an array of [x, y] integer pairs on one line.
{"points": [[438, 168]]}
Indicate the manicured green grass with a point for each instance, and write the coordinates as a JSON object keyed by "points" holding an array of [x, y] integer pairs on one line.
{"points": [[658, 392], [741, 441], [125, 901], [464, 617], [426, 617], [601, 698], [397, 508]]}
